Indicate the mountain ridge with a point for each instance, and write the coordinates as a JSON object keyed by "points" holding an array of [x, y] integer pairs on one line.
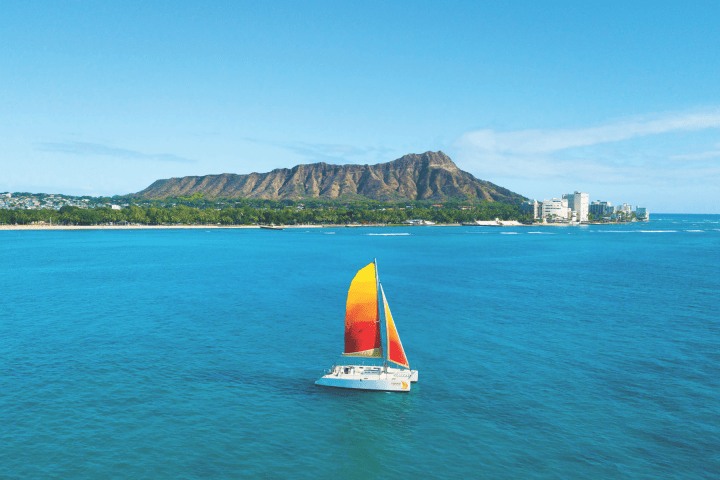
{"points": [[429, 176]]}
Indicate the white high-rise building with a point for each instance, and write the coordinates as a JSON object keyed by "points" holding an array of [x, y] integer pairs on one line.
{"points": [[641, 213], [579, 203], [626, 209], [555, 209], [601, 208]]}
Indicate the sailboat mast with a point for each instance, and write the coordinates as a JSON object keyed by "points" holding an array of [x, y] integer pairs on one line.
{"points": [[383, 324]]}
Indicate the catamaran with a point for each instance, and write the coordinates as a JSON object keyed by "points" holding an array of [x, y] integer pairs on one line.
{"points": [[363, 339]]}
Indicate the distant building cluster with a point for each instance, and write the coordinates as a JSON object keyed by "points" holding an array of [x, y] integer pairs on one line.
{"points": [[21, 201], [576, 208]]}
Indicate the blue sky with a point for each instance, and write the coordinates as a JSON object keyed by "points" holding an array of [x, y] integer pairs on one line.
{"points": [[620, 100]]}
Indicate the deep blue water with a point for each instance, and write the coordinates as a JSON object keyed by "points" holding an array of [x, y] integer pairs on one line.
{"points": [[585, 352]]}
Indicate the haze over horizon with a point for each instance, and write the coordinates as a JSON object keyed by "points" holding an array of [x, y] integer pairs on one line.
{"points": [[619, 100]]}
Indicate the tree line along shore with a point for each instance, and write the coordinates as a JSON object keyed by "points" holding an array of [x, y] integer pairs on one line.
{"points": [[265, 213]]}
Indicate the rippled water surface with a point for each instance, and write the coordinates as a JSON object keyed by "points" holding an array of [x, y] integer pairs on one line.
{"points": [[555, 352]]}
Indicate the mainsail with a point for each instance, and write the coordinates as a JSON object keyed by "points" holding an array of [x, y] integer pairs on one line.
{"points": [[362, 319], [395, 351]]}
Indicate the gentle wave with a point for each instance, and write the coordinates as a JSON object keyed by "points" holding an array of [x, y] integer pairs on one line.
{"points": [[386, 234], [698, 231], [509, 233]]}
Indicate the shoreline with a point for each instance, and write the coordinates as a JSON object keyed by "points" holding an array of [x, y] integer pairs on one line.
{"points": [[139, 227], [258, 227]]}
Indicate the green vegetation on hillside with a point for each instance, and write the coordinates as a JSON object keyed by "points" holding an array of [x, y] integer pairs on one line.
{"points": [[198, 210]]}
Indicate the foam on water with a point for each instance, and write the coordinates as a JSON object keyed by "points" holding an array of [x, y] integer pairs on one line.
{"points": [[386, 234]]}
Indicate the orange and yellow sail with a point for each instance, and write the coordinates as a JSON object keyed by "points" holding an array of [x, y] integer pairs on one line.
{"points": [[395, 351], [362, 316]]}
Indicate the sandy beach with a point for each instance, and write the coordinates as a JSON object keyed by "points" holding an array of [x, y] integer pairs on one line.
{"points": [[206, 227]]}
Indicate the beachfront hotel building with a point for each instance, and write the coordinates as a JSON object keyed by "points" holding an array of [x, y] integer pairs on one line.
{"points": [[601, 208], [555, 209], [641, 213], [578, 203], [531, 207]]}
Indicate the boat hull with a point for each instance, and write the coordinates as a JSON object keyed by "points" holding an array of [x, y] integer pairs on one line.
{"points": [[384, 385], [413, 374], [367, 378]]}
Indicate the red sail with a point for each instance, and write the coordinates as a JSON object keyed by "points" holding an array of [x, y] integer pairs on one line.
{"points": [[396, 353]]}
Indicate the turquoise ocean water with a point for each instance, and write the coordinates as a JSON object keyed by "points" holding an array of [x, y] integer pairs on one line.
{"points": [[585, 352]]}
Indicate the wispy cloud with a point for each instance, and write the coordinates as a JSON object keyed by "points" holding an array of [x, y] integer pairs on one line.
{"points": [[86, 149], [326, 152], [697, 156], [587, 154], [528, 142]]}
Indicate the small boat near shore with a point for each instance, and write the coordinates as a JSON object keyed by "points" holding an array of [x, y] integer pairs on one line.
{"points": [[481, 223], [271, 227], [366, 336], [492, 223]]}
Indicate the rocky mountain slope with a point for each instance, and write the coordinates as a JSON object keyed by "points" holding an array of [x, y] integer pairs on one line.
{"points": [[430, 176]]}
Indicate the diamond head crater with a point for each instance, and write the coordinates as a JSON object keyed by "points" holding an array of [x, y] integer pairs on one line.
{"points": [[416, 189], [431, 176]]}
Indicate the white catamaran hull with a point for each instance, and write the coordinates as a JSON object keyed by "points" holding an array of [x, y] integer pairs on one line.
{"points": [[413, 373], [367, 378]]}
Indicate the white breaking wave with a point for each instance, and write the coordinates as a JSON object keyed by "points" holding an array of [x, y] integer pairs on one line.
{"points": [[699, 231], [386, 234], [657, 231], [508, 233]]}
